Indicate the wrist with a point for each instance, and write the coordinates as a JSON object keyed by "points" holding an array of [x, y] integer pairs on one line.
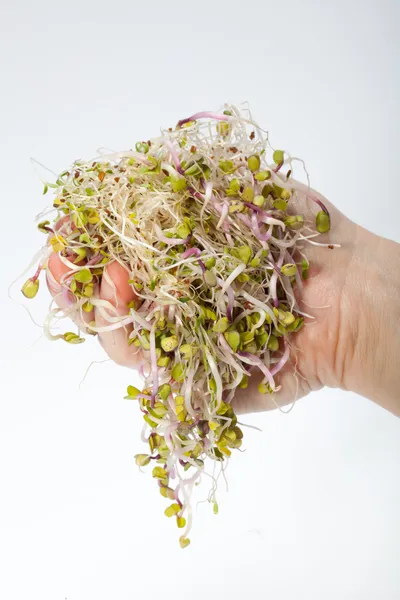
{"points": [[371, 365]]}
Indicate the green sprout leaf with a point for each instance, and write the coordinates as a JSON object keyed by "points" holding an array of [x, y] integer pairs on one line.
{"points": [[221, 325], [253, 162], [172, 510], [323, 222], [289, 269], [83, 276], [169, 344], [278, 156], [30, 288]]}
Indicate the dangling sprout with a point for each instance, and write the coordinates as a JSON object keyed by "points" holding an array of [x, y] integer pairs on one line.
{"points": [[201, 218]]}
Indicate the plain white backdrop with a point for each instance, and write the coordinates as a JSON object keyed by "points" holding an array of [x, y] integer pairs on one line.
{"points": [[312, 510]]}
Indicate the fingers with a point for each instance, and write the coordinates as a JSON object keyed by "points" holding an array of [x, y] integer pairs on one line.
{"points": [[56, 274], [116, 290]]}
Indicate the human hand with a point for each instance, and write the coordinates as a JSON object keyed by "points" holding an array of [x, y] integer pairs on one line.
{"points": [[352, 343]]}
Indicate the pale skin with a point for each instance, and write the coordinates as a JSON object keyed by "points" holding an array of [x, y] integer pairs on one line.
{"points": [[353, 343]]}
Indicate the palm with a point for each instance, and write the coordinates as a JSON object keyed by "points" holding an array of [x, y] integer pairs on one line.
{"points": [[317, 350]]}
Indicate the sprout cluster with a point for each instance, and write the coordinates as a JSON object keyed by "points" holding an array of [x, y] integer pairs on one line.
{"points": [[201, 218]]}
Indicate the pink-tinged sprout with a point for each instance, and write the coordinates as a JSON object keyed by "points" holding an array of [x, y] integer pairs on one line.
{"points": [[96, 258], [202, 266], [204, 115], [171, 241], [252, 359], [263, 237], [191, 252], [37, 273], [319, 202], [282, 361], [175, 157], [143, 396]]}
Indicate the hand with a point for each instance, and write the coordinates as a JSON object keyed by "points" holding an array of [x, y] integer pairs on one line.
{"points": [[352, 343]]}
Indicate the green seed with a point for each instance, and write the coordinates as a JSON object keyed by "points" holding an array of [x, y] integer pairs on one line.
{"points": [[294, 222], [289, 269], [235, 207], [72, 338], [248, 194], [142, 460], [261, 340], [223, 408], [267, 190], [255, 262], [184, 542], [87, 307], [323, 222], [278, 156], [178, 372], [210, 314], [183, 231], [280, 204], [159, 473], [247, 337], [259, 200], [210, 279], [223, 128], [164, 391], [83, 276], [154, 441], [210, 262], [234, 185], [251, 347], [244, 383], [149, 421], [244, 253], [273, 343], [181, 522], [186, 350], [43, 226], [289, 318], [172, 510], [304, 268], [30, 288], [132, 392], [178, 185], [163, 361], [84, 238], [253, 162], [262, 175], [167, 492], [233, 339], [221, 325], [169, 344], [142, 147], [226, 166]]}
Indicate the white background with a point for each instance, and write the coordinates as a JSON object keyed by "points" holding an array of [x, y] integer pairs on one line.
{"points": [[313, 505]]}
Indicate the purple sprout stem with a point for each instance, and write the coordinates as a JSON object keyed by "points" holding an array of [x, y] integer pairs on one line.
{"points": [[202, 266], [204, 115], [191, 252]]}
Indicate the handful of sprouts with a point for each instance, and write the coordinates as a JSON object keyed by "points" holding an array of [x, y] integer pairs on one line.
{"points": [[201, 219]]}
